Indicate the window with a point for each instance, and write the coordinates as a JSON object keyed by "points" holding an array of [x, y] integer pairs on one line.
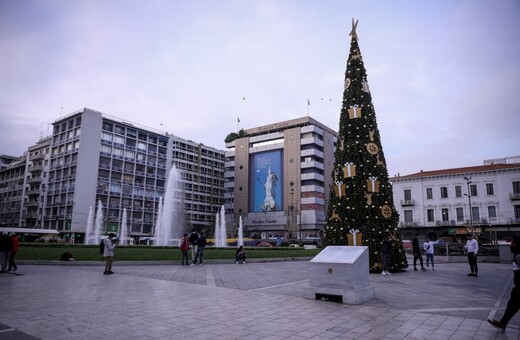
{"points": [[444, 192], [516, 188], [445, 215], [120, 130], [408, 195], [119, 140], [475, 214], [430, 215], [408, 216], [458, 191], [473, 190], [429, 193], [490, 190], [106, 136], [460, 214], [492, 212]]}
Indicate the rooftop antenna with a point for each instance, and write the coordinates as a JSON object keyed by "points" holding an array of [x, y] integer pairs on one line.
{"points": [[61, 111]]}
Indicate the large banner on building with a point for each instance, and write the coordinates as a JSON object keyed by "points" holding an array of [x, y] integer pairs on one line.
{"points": [[266, 181]]}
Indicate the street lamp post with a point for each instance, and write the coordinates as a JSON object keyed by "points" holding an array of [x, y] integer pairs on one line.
{"points": [[468, 182], [300, 221], [43, 189]]}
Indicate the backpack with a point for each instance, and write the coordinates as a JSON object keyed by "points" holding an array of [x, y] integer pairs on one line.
{"points": [[102, 247]]}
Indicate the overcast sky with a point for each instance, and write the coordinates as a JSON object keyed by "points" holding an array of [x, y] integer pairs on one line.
{"points": [[444, 75]]}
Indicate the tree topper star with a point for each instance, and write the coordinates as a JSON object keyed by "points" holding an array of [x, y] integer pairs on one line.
{"points": [[353, 32]]}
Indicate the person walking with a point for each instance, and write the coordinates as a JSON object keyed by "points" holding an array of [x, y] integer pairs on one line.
{"points": [[201, 244], [417, 253], [14, 250], [472, 247], [108, 253], [240, 255], [5, 248], [386, 247], [513, 305], [184, 249], [193, 242], [428, 250]]}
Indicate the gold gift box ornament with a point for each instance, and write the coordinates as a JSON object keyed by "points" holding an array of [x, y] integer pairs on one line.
{"points": [[354, 111], [340, 189], [349, 170], [373, 184]]}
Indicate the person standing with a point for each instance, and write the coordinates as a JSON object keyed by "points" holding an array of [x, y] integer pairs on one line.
{"points": [[240, 255], [386, 247], [5, 248], [201, 244], [472, 247], [513, 305], [417, 253], [428, 250], [108, 253], [14, 250], [184, 249], [193, 241]]}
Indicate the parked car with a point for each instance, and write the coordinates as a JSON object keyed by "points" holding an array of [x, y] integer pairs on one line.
{"points": [[264, 244]]}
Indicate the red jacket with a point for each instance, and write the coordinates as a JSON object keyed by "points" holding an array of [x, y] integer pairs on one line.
{"points": [[184, 245], [15, 244]]}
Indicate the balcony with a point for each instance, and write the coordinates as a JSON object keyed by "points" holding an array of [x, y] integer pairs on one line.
{"points": [[311, 140], [312, 164], [408, 224], [35, 168], [407, 203], [31, 204], [514, 196], [34, 180]]}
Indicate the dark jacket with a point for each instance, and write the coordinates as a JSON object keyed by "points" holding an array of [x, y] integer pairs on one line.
{"points": [[6, 244], [193, 238], [415, 244], [201, 242]]}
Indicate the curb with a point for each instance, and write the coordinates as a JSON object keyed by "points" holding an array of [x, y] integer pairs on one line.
{"points": [[154, 263]]}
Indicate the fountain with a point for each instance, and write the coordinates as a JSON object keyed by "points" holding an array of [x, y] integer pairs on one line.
{"points": [[89, 237], [220, 229], [240, 241], [124, 229], [158, 229], [170, 222], [217, 230], [98, 224]]}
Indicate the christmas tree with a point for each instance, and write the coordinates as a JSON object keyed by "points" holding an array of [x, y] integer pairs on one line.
{"points": [[361, 195]]}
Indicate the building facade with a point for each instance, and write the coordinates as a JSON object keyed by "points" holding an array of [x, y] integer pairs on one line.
{"points": [[92, 157], [276, 179], [484, 199]]}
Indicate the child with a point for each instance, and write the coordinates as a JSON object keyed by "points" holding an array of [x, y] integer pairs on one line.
{"points": [[184, 249], [240, 255]]}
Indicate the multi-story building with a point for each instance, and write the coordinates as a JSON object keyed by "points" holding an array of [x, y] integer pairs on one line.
{"points": [[22, 182], [482, 199], [12, 181], [277, 179], [202, 179], [5, 160], [94, 157]]}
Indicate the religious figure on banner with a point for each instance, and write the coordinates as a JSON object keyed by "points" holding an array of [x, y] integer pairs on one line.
{"points": [[270, 191]]}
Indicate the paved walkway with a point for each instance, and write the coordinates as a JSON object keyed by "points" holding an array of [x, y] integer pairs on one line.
{"points": [[246, 301]]}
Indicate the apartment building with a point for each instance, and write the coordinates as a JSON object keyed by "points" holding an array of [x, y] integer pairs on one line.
{"points": [[484, 198], [92, 157], [277, 177]]}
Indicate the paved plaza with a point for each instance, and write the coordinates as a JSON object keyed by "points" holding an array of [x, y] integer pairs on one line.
{"points": [[257, 300]]}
